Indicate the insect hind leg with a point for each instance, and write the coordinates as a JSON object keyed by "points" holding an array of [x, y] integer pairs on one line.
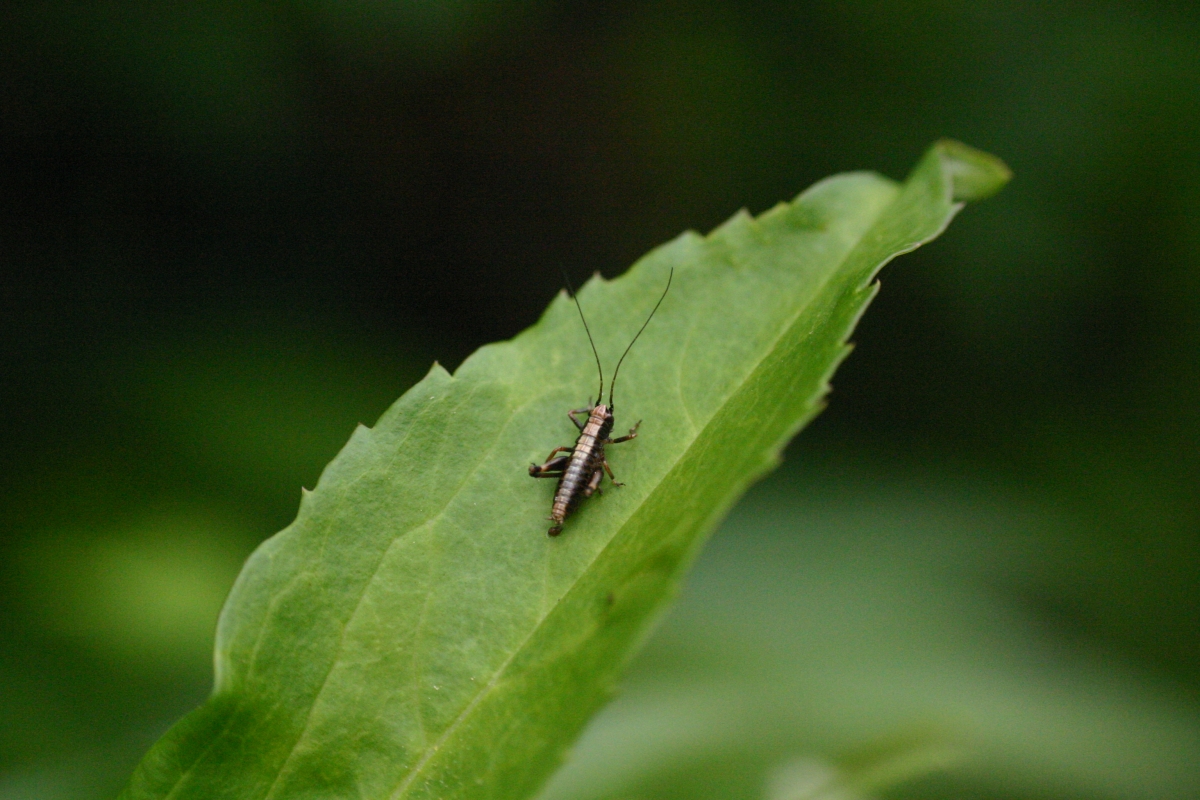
{"points": [[612, 477], [593, 484], [551, 469]]}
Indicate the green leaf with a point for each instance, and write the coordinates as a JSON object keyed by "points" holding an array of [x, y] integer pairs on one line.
{"points": [[415, 633]]}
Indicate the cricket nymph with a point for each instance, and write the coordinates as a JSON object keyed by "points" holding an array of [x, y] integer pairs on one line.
{"points": [[580, 471], [579, 474]]}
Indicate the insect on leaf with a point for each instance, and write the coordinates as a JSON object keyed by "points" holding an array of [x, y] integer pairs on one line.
{"points": [[415, 634]]}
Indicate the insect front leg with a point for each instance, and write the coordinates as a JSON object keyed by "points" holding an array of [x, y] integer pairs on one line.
{"points": [[632, 434], [587, 412], [553, 467]]}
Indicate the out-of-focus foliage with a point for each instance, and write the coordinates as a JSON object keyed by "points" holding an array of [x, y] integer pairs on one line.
{"points": [[868, 623], [221, 222]]}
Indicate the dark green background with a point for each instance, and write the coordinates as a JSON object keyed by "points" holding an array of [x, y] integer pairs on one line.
{"points": [[229, 233]]}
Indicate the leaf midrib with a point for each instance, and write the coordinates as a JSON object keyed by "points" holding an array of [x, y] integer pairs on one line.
{"points": [[341, 636], [431, 520]]}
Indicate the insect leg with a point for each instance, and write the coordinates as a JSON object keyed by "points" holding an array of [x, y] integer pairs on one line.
{"points": [[608, 469], [632, 435], [593, 484], [551, 469], [587, 412]]}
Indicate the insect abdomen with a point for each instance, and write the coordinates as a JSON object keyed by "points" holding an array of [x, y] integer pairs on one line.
{"points": [[585, 460]]}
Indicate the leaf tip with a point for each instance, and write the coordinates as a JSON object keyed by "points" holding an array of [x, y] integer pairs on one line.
{"points": [[974, 174]]}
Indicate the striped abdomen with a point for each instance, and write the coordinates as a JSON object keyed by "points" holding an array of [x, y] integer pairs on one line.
{"points": [[587, 458]]}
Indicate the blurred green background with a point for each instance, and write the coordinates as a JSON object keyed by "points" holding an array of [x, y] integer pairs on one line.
{"points": [[231, 232]]}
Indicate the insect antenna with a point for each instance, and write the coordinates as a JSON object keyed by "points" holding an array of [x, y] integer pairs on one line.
{"points": [[600, 369], [612, 386]]}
